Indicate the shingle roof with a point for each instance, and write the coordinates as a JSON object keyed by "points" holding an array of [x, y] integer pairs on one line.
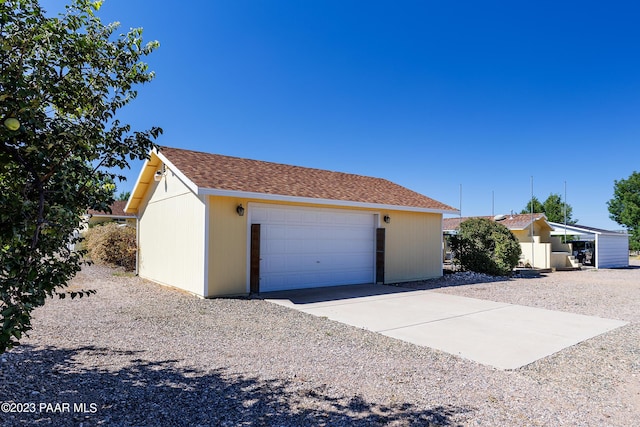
{"points": [[214, 171], [512, 222], [117, 210]]}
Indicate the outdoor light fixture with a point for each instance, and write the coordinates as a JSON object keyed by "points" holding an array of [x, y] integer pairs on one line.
{"points": [[157, 177], [12, 123], [387, 219], [240, 210]]}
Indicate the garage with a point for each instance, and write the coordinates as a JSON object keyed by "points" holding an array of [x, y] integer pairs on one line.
{"points": [[609, 249], [222, 226], [305, 247]]}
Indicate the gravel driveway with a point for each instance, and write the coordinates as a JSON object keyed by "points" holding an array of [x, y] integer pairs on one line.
{"points": [[140, 354]]}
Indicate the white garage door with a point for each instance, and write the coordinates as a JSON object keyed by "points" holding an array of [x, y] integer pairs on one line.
{"points": [[310, 247]]}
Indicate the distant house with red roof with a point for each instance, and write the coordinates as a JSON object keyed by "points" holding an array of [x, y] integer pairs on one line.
{"points": [[219, 225]]}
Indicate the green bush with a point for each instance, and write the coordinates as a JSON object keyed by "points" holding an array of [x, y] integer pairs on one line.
{"points": [[112, 244], [485, 246]]}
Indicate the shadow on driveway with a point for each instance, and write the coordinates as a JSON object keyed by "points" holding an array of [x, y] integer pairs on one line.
{"points": [[333, 293]]}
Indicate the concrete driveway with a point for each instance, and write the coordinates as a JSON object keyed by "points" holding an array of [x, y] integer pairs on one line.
{"points": [[505, 336]]}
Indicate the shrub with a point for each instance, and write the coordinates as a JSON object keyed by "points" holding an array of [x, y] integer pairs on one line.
{"points": [[485, 246], [112, 244]]}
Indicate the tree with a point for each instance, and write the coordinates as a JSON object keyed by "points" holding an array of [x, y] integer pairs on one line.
{"points": [[62, 81], [537, 206], [124, 196], [624, 207], [485, 246], [553, 208]]}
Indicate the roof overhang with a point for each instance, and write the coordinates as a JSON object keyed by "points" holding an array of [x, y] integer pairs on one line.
{"points": [[561, 229], [146, 179], [312, 200]]}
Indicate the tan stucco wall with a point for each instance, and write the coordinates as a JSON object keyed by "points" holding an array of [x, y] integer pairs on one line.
{"points": [[172, 236], [537, 255], [413, 244]]}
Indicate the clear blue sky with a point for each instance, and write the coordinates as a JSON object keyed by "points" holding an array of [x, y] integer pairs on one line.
{"points": [[433, 95]]}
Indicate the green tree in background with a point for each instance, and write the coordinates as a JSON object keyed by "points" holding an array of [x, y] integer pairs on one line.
{"points": [[124, 196], [537, 206], [62, 81], [624, 207], [553, 208]]}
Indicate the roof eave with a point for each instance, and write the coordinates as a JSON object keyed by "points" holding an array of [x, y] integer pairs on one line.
{"points": [[138, 191], [313, 200], [577, 229], [145, 179]]}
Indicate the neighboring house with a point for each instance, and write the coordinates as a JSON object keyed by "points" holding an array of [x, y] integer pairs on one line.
{"points": [[216, 225], [117, 214], [533, 231], [606, 249]]}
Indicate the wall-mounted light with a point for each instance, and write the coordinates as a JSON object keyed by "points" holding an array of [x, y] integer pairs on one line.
{"points": [[157, 177], [387, 219], [240, 210]]}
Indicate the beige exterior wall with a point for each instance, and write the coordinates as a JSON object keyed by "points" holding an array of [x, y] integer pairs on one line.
{"points": [[228, 247], [171, 236], [541, 233], [558, 246], [560, 260], [413, 244], [538, 254]]}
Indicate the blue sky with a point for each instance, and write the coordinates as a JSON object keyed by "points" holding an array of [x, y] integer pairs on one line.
{"points": [[433, 95]]}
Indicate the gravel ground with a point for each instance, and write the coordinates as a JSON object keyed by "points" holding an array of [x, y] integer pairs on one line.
{"points": [[138, 354]]}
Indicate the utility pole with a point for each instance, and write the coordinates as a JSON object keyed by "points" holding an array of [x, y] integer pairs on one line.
{"points": [[533, 247]]}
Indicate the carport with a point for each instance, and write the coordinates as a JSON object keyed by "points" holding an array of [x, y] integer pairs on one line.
{"points": [[611, 247]]}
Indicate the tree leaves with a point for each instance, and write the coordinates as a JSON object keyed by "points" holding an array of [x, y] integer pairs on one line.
{"points": [[553, 207], [64, 79], [73, 294], [624, 207]]}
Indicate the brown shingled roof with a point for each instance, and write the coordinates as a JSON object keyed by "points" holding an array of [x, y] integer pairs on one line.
{"points": [[218, 172], [512, 222], [117, 209]]}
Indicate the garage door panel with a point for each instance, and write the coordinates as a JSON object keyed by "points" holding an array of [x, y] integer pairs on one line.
{"points": [[362, 259], [274, 246], [273, 263], [353, 245], [300, 232], [271, 232], [308, 247]]}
